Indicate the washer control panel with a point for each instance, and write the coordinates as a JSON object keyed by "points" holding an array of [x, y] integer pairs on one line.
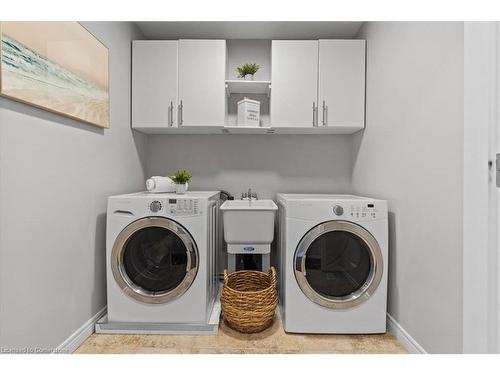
{"points": [[183, 206], [175, 206]]}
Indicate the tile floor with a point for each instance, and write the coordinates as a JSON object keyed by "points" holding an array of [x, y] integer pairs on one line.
{"points": [[272, 341]]}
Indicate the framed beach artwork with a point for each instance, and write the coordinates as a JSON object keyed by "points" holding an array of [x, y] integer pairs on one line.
{"points": [[57, 66]]}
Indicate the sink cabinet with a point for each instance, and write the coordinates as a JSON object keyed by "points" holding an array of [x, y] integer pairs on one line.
{"points": [[249, 229]]}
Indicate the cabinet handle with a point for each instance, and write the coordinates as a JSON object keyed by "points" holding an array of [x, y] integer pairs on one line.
{"points": [[180, 113], [325, 114], [170, 114], [315, 110]]}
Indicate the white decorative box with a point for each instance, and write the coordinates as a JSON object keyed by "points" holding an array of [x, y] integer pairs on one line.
{"points": [[248, 112]]}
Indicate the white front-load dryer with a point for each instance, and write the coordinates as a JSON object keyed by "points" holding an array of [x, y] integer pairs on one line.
{"points": [[333, 253], [160, 257]]}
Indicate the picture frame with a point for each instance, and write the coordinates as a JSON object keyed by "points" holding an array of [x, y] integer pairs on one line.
{"points": [[57, 66]]}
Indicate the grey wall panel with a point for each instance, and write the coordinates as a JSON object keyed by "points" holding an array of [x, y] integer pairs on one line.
{"points": [[55, 176], [411, 154], [267, 163]]}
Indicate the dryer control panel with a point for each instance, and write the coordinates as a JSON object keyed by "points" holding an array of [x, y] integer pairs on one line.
{"points": [[355, 210], [363, 211]]}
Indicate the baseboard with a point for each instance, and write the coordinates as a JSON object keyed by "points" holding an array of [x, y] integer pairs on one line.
{"points": [[81, 334], [404, 337]]}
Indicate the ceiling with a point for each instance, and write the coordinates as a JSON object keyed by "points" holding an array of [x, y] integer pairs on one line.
{"points": [[249, 30]]}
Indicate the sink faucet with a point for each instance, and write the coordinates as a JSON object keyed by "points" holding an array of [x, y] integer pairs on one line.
{"points": [[249, 195]]}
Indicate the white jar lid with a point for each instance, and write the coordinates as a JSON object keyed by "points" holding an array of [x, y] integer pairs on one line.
{"points": [[251, 101]]}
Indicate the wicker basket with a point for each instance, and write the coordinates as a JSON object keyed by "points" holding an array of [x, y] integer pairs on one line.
{"points": [[249, 300]]}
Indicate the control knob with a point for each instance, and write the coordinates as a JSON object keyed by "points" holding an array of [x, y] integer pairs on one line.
{"points": [[155, 206], [338, 210]]}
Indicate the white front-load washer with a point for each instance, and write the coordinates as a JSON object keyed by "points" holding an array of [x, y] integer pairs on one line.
{"points": [[333, 263], [160, 257]]}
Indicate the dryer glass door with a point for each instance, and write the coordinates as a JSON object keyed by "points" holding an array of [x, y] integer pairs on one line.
{"points": [[338, 264], [154, 260]]}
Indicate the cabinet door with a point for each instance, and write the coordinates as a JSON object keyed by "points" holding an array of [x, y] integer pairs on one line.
{"points": [[154, 83], [202, 93], [342, 83], [294, 83]]}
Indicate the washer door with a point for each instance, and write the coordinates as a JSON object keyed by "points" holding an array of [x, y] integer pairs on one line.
{"points": [[338, 264], [154, 260]]}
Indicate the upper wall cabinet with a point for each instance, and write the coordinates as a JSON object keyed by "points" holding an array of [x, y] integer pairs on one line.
{"points": [[303, 86], [178, 84], [318, 84], [202, 74], [294, 77], [341, 95], [154, 83]]}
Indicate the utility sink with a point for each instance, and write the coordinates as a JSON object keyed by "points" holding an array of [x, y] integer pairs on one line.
{"points": [[249, 225]]}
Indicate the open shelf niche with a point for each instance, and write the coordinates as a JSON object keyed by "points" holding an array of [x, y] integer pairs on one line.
{"points": [[241, 51]]}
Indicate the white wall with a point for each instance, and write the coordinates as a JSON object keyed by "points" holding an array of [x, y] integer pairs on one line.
{"points": [[481, 199], [411, 154], [269, 164], [55, 175]]}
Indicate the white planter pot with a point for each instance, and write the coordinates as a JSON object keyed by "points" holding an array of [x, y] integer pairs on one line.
{"points": [[249, 77], [181, 188]]}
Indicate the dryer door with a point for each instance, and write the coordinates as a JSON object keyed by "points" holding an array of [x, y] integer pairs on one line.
{"points": [[154, 260], [338, 264]]}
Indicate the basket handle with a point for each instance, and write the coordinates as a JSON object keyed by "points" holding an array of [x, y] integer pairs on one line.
{"points": [[272, 275], [226, 277]]}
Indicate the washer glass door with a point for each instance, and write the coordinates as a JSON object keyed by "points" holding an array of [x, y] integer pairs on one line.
{"points": [[338, 264], [154, 260]]}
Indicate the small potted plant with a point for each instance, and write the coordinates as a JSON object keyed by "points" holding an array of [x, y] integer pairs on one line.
{"points": [[181, 179], [247, 71]]}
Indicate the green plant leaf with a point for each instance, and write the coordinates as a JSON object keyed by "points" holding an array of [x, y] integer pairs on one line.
{"points": [[248, 68], [182, 176]]}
